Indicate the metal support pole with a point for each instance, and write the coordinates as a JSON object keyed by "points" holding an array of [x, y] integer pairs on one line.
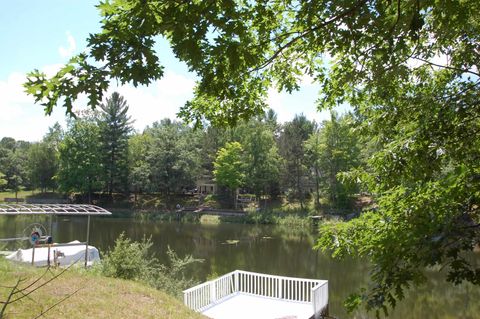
{"points": [[33, 254], [86, 243], [51, 226]]}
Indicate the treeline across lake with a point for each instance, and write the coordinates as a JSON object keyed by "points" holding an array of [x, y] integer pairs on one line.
{"points": [[100, 152]]}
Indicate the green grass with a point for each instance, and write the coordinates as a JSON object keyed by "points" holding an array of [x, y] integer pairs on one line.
{"points": [[29, 193], [97, 296], [21, 194], [210, 219]]}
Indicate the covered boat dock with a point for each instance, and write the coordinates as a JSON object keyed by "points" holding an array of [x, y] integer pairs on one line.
{"points": [[42, 241]]}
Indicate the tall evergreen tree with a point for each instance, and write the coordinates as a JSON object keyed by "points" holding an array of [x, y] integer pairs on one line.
{"points": [[115, 127], [292, 137]]}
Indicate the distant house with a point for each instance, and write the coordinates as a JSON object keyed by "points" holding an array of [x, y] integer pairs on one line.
{"points": [[206, 185]]}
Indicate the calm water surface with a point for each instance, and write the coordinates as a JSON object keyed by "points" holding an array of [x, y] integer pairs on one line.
{"points": [[269, 249]]}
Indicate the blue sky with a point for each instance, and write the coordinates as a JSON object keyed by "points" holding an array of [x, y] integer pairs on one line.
{"points": [[44, 34]]}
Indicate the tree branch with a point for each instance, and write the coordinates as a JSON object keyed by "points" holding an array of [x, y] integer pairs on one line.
{"points": [[57, 303], [446, 66], [306, 32], [12, 292]]}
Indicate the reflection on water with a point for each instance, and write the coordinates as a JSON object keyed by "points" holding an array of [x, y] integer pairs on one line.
{"points": [[268, 249]]}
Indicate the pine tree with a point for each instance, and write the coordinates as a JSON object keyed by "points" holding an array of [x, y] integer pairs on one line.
{"points": [[115, 127]]}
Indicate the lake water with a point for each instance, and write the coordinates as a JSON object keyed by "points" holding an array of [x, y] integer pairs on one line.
{"points": [[263, 248]]}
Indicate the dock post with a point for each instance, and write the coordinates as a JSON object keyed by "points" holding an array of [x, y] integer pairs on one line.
{"points": [[88, 238], [280, 288], [51, 226], [33, 254], [213, 292], [48, 256], [236, 280]]}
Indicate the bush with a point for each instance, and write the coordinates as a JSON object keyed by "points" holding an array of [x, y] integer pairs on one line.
{"points": [[133, 260], [129, 260], [171, 277]]}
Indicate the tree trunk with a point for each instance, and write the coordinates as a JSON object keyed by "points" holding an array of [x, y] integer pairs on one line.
{"points": [[317, 186], [89, 191], [235, 198]]}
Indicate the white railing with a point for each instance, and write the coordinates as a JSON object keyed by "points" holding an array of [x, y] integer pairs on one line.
{"points": [[211, 292], [320, 299], [208, 293]]}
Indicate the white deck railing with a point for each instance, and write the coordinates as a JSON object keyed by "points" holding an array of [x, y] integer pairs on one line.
{"points": [[201, 297], [320, 298]]}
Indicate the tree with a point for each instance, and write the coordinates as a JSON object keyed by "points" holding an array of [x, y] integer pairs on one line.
{"points": [[173, 157], [408, 68], [138, 149], [291, 142], [262, 161], [8, 143], [80, 158], [14, 163], [115, 126], [3, 181], [334, 150], [229, 168], [312, 157], [43, 165], [54, 136]]}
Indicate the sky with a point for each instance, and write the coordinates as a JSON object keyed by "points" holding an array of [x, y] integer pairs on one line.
{"points": [[45, 34]]}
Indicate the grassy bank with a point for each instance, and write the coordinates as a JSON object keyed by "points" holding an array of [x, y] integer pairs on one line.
{"points": [[251, 217], [95, 296], [158, 207]]}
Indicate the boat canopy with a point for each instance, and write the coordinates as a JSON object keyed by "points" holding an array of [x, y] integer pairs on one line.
{"points": [[52, 209]]}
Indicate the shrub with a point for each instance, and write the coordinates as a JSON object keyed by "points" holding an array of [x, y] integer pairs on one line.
{"points": [[171, 278], [133, 260], [128, 259]]}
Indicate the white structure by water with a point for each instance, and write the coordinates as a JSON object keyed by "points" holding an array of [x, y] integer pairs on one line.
{"points": [[57, 254], [44, 251], [243, 294]]}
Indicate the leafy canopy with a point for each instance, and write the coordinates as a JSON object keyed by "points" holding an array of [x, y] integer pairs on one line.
{"points": [[410, 70], [229, 166]]}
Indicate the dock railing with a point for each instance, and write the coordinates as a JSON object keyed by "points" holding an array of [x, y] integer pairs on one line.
{"points": [[205, 295], [320, 299]]}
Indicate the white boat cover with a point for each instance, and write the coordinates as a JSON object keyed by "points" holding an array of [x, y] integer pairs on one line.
{"points": [[69, 255]]}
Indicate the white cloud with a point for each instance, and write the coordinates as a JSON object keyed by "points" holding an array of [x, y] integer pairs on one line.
{"points": [[20, 118], [160, 100], [303, 101], [51, 69], [306, 80], [67, 52]]}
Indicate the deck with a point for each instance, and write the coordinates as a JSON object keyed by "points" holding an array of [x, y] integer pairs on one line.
{"points": [[241, 306], [242, 294]]}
